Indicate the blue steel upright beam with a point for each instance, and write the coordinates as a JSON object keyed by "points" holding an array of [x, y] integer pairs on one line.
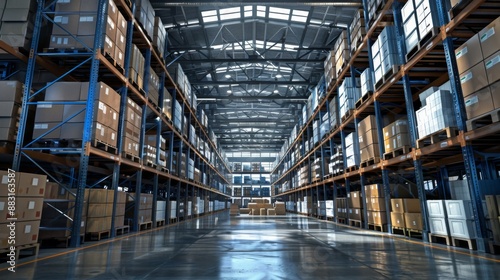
{"points": [[412, 122], [347, 181], [467, 149]]}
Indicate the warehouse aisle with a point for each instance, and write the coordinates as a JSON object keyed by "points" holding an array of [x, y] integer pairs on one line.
{"points": [[291, 247]]}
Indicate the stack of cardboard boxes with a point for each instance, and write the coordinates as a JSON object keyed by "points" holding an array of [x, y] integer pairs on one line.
{"points": [[341, 204], [177, 74], [100, 210], [159, 36], [56, 200], [355, 206], [419, 17], [493, 207], [385, 54], [145, 14], [133, 123], [121, 203], [374, 7], [436, 113], [334, 113], [349, 93], [478, 64], [351, 151], [357, 30], [396, 135], [337, 161], [154, 86], [145, 205], [325, 126], [330, 212], [234, 210], [368, 139], [330, 73], [342, 53], [317, 171], [137, 64], [375, 205], [29, 192], [17, 22], [304, 175], [161, 207], [150, 150], [406, 213], [10, 109], [167, 104], [106, 112], [367, 81]]}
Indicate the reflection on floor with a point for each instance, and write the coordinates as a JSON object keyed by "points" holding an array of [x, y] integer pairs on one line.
{"points": [[222, 247]]}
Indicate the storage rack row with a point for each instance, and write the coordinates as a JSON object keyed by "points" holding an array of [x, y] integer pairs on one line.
{"points": [[432, 65], [84, 164]]}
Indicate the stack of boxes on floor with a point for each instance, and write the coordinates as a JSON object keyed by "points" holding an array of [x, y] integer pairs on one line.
{"points": [[330, 73], [436, 113], [351, 151], [145, 208], [355, 206], [341, 204], [396, 136], [161, 206], [330, 212], [133, 123], [10, 109], [478, 62], [56, 200], [121, 204], [419, 17], [49, 115], [337, 161], [385, 54], [234, 210], [357, 30], [375, 205], [29, 191], [100, 210], [17, 22], [342, 53], [172, 204], [280, 208], [493, 208], [406, 213], [349, 93], [368, 140]]}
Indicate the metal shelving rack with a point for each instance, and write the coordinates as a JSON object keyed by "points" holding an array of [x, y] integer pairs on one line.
{"points": [[434, 61], [87, 166], [251, 186]]}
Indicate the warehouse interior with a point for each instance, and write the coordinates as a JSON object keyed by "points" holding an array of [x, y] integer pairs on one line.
{"points": [[251, 139]]}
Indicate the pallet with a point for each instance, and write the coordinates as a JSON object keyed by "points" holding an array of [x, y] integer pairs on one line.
{"points": [[131, 157], [347, 115], [113, 61], [96, 236], [160, 223], [357, 41], [437, 238], [397, 152], [122, 230], [145, 226], [151, 164], [31, 249], [413, 232], [387, 76], [351, 168], [422, 43], [458, 8], [355, 223], [342, 220], [483, 120], [369, 162], [104, 146], [399, 231], [363, 99], [381, 228], [459, 242], [67, 50], [437, 136]]}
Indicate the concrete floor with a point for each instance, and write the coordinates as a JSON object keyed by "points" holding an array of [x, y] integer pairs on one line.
{"points": [[222, 247]]}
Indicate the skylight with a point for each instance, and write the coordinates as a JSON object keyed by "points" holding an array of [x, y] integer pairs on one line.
{"points": [[248, 11], [226, 14]]}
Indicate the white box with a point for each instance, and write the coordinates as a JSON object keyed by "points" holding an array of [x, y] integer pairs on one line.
{"points": [[459, 209], [436, 208], [411, 40], [462, 228], [438, 226], [407, 10]]}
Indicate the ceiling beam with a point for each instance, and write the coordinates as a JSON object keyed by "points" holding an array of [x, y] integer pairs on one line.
{"points": [[253, 60], [247, 98], [259, 120], [345, 3], [252, 82]]}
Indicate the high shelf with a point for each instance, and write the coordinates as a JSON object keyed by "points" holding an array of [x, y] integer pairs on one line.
{"points": [[90, 162], [424, 167]]}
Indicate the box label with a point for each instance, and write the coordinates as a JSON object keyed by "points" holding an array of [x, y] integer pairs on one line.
{"points": [[41, 126], [86, 19], [488, 34], [466, 78], [34, 182], [461, 53], [31, 205], [2, 205], [5, 180], [27, 229], [492, 62], [471, 101], [44, 106]]}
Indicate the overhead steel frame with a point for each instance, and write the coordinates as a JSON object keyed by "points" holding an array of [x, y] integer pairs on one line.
{"points": [[380, 125], [467, 149], [412, 121]]}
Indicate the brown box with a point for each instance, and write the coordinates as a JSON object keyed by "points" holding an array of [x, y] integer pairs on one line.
{"points": [[30, 185], [41, 128], [397, 142], [397, 205], [145, 215], [68, 22], [495, 94], [11, 91], [8, 134], [398, 127], [9, 109], [469, 54], [26, 233], [412, 205], [121, 23], [96, 210], [121, 197], [355, 200], [492, 65], [87, 26], [119, 57], [374, 190], [55, 191], [490, 38], [356, 214], [111, 137], [493, 206], [71, 109], [63, 91], [62, 42], [109, 46], [68, 5], [375, 204], [49, 113], [105, 94], [120, 209], [368, 138], [398, 220], [98, 224], [7, 178], [369, 152], [367, 124], [120, 40], [101, 196], [27, 209], [413, 221], [479, 103], [119, 221], [377, 217], [473, 79]]}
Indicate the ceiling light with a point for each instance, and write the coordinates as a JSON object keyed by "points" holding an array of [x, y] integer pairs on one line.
{"points": [[276, 91], [278, 76], [229, 91], [227, 76]]}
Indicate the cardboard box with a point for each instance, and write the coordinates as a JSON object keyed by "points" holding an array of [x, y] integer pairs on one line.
{"points": [[63, 91], [101, 196], [41, 128], [49, 113], [105, 94], [18, 15], [356, 214], [355, 200], [98, 224], [374, 190], [397, 205], [96, 210], [369, 152], [8, 134], [397, 142], [469, 54], [27, 209], [121, 23], [490, 38], [367, 124], [119, 57], [377, 217], [492, 65], [375, 204], [413, 221], [30, 185], [68, 22], [21, 4], [68, 5], [55, 191], [398, 219], [495, 94], [412, 205], [26, 233], [479, 103], [473, 79], [11, 91], [9, 109], [62, 42], [368, 138]]}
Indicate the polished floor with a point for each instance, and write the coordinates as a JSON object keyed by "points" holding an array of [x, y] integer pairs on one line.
{"points": [[222, 247]]}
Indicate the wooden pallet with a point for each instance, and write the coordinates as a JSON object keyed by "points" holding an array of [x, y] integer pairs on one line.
{"points": [[347, 115], [145, 226], [113, 61], [381, 228], [387, 77], [133, 158], [351, 168], [437, 238], [397, 152], [459, 242], [122, 230], [21, 251], [422, 43], [437, 136], [414, 233], [96, 236], [104, 146], [342, 220], [483, 120], [355, 223], [151, 164], [357, 41], [67, 50], [369, 162], [458, 8], [399, 231], [160, 223], [363, 99]]}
